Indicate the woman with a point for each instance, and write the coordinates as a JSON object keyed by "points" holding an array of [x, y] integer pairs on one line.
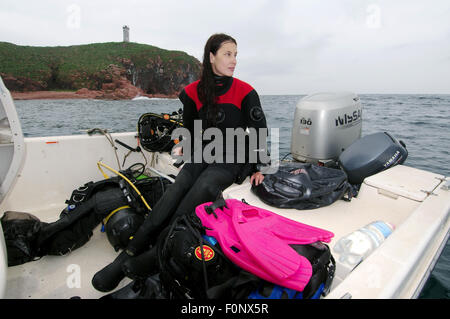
{"points": [[218, 101]]}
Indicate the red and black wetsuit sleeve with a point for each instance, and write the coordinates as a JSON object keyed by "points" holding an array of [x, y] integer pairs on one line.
{"points": [[190, 113], [255, 118]]}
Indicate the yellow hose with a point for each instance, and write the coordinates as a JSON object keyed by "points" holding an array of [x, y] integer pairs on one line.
{"points": [[105, 220], [125, 178]]}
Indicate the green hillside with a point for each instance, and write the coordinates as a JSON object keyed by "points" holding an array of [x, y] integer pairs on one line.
{"points": [[73, 67]]}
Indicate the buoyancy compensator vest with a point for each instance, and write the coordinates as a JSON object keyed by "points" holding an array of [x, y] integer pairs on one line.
{"points": [[111, 201], [28, 238], [191, 264]]}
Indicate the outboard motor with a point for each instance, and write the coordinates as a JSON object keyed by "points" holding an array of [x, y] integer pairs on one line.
{"points": [[325, 124], [372, 154]]}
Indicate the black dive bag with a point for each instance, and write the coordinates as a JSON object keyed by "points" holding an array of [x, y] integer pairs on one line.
{"points": [[323, 265], [303, 186], [21, 231]]}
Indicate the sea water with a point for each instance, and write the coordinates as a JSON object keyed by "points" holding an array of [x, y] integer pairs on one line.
{"points": [[421, 121]]}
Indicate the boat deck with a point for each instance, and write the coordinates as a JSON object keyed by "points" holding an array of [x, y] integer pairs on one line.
{"points": [[400, 195], [62, 277]]}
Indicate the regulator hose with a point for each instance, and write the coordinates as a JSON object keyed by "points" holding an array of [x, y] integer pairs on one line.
{"points": [[99, 164]]}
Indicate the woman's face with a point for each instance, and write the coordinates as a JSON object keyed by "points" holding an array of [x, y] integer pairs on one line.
{"points": [[224, 61]]}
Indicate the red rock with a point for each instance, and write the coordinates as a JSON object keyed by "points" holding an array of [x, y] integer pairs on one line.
{"points": [[108, 86], [114, 81]]}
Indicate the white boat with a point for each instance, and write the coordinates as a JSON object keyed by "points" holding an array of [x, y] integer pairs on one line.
{"points": [[38, 174]]}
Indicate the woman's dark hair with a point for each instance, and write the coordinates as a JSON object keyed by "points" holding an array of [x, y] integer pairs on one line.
{"points": [[207, 85]]}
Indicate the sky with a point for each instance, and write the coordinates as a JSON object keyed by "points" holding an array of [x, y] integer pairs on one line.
{"points": [[284, 46]]}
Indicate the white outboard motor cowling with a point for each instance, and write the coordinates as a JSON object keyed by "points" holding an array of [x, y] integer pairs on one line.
{"points": [[325, 124]]}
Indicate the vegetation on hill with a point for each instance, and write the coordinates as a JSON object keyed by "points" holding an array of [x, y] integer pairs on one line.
{"points": [[150, 68]]}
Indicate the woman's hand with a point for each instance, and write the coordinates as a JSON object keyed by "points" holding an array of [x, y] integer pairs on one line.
{"points": [[257, 177]]}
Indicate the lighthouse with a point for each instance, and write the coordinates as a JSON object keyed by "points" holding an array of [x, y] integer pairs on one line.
{"points": [[126, 33]]}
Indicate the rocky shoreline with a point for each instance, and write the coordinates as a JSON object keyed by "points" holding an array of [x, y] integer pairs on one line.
{"points": [[118, 87], [106, 71], [80, 94]]}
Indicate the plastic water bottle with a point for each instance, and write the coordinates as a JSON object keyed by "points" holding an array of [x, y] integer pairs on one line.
{"points": [[356, 246]]}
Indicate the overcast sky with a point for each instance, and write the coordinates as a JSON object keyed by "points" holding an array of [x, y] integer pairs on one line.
{"points": [[284, 46]]}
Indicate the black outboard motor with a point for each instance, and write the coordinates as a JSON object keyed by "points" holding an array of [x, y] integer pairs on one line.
{"points": [[371, 154]]}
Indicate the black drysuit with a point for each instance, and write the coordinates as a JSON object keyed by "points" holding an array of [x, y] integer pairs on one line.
{"points": [[238, 107]]}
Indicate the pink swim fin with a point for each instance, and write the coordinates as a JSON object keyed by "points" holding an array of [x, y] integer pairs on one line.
{"points": [[258, 241], [266, 237]]}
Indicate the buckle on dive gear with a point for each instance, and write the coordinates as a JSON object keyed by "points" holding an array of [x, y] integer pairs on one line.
{"points": [[331, 271], [219, 203], [75, 198], [210, 211]]}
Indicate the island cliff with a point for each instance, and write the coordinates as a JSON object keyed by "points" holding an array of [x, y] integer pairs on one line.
{"points": [[113, 70]]}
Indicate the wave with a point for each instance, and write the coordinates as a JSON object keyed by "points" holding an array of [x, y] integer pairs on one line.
{"points": [[140, 98]]}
